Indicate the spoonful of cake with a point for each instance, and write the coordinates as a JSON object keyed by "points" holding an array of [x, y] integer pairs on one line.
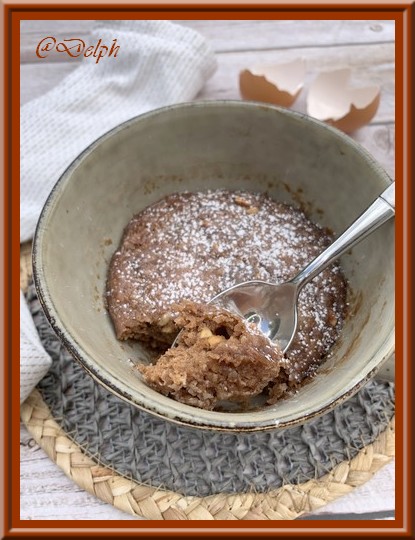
{"points": [[273, 307]]}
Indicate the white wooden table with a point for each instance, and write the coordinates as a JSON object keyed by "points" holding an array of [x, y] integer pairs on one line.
{"points": [[365, 46]]}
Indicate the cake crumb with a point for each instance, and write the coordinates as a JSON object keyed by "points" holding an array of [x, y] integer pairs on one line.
{"points": [[219, 358]]}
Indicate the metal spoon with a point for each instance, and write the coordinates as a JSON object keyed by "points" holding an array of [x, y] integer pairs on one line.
{"points": [[274, 307]]}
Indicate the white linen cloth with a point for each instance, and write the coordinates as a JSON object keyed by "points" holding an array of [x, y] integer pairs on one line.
{"points": [[159, 63]]}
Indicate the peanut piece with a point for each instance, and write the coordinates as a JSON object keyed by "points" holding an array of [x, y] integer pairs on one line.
{"points": [[205, 333], [165, 319], [166, 323], [240, 201], [167, 328], [214, 340], [332, 320]]}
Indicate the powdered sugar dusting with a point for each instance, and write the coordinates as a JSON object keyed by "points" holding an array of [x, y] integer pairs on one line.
{"points": [[193, 245]]}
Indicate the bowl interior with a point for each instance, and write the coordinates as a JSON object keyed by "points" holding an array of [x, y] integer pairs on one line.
{"points": [[232, 145]]}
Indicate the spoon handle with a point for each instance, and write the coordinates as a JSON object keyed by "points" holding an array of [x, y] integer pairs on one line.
{"points": [[382, 209]]}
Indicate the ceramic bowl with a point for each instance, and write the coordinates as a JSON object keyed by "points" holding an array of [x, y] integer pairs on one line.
{"points": [[195, 146]]}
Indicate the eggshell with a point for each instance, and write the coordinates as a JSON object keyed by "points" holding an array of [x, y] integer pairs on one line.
{"points": [[279, 84], [333, 100]]}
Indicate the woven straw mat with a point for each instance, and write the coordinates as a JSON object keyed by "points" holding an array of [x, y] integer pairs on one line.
{"points": [[152, 468]]}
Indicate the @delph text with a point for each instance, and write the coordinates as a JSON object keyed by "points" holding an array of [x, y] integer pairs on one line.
{"points": [[76, 47]]}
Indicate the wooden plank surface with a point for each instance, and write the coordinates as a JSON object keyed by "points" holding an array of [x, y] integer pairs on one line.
{"points": [[365, 46], [230, 36], [375, 66], [266, 35], [371, 64]]}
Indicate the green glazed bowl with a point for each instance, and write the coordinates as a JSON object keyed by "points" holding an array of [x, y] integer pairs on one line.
{"points": [[195, 146]]}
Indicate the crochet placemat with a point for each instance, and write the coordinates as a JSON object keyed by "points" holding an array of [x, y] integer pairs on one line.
{"points": [[159, 470]]}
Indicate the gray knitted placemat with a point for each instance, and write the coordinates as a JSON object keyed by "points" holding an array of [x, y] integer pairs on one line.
{"points": [[201, 463]]}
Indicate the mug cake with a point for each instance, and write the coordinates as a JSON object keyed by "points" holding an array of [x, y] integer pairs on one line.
{"points": [[177, 254]]}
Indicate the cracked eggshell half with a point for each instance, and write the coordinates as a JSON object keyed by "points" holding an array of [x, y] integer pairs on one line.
{"points": [[332, 100], [279, 84]]}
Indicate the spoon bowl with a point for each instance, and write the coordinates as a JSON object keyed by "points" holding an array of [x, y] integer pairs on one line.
{"points": [[273, 308]]}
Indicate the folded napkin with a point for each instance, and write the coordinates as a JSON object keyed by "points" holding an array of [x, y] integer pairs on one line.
{"points": [[158, 63]]}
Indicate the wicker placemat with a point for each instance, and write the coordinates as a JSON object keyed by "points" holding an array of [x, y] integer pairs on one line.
{"points": [[158, 470]]}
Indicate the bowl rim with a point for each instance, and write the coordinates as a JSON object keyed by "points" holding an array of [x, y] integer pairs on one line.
{"points": [[175, 411]]}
